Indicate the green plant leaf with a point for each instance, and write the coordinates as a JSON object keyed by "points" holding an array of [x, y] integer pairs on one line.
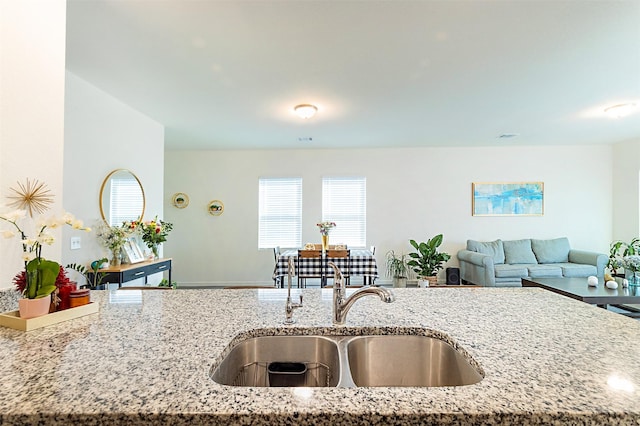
{"points": [[41, 277], [436, 241]]}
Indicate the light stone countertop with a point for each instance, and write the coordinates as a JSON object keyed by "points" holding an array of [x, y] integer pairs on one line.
{"points": [[145, 358]]}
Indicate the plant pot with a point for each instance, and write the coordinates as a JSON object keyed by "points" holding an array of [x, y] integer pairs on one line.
{"points": [[116, 260], [399, 282], [32, 308]]}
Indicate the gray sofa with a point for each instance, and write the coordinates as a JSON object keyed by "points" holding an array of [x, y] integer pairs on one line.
{"points": [[504, 263]]}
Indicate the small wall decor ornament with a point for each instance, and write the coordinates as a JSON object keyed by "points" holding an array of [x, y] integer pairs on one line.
{"points": [[180, 200], [215, 208]]}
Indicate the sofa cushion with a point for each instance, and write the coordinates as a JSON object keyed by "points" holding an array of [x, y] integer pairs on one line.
{"points": [[577, 270], [545, 271], [519, 251], [510, 271], [492, 248], [551, 251]]}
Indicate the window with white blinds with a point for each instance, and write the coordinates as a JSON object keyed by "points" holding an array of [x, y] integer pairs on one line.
{"points": [[344, 201], [126, 202], [280, 212]]}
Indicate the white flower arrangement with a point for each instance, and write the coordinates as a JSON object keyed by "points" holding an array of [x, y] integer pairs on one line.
{"points": [[631, 263], [325, 227]]}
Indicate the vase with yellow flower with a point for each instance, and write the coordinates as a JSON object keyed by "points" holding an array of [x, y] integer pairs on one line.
{"points": [[153, 233], [325, 227]]}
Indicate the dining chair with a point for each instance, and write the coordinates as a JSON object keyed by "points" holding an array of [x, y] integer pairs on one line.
{"points": [[309, 265], [278, 281], [342, 259]]}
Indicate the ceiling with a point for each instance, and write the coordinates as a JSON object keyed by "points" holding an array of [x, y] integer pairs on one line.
{"points": [[226, 74]]}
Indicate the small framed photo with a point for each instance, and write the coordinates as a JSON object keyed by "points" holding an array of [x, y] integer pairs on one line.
{"points": [[132, 251]]}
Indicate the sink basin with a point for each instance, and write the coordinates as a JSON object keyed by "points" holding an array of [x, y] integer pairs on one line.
{"points": [[311, 361], [399, 360], [345, 361]]}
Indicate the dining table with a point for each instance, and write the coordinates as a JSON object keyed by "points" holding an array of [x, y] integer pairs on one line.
{"points": [[361, 262]]}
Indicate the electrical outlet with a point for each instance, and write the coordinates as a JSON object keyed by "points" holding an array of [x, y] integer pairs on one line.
{"points": [[75, 243]]}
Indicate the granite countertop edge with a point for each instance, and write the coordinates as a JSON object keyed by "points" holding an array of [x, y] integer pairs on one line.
{"points": [[153, 357]]}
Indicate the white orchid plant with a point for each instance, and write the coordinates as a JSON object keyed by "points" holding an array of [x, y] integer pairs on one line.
{"points": [[38, 279]]}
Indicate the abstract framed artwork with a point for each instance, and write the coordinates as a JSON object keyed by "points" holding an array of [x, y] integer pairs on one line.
{"points": [[507, 198]]}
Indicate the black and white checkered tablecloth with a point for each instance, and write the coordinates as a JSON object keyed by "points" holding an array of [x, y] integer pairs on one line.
{"points": [[361, 262]]}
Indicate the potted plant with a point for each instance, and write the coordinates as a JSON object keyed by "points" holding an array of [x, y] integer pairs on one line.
{"points": [[397, 268], [165, 283], [617, 253], [91, 274], [426, 261], [40, 277]]}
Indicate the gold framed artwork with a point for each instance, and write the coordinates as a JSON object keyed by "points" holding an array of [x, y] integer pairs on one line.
{"points": [[180, 200], [215, 208], [507, 198]]}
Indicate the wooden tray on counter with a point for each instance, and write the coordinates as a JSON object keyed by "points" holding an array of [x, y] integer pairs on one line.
{"points": [[12, 319]]}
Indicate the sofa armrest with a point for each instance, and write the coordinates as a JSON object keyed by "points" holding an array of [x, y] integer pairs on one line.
{"points": [[477, 268], [476, 258], [599, 260]]}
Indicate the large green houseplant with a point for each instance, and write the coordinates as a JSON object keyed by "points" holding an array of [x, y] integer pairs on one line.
{"points": [[426, 261], [397, 268]]}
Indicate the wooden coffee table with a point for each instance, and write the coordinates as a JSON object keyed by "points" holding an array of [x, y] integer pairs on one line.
{"points": [[577, 288]]}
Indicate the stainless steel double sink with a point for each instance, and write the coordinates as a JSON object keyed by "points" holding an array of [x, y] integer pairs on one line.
{"points": [[346, 361]]}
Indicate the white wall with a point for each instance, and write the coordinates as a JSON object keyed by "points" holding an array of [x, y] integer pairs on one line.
{"points": [[32, 35], [103, 134], [411, 193], [626, 190]]}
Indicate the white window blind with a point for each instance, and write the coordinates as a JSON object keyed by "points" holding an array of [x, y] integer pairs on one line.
{"points": [[344, 201], [280, 212], [126, 202]]}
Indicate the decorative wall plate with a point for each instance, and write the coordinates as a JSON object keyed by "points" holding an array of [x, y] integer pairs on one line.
{"points": [[215, 207], [180, 200]]}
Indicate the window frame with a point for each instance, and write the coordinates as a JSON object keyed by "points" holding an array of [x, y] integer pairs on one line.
{"points": [[331, 209], [284, 228]]}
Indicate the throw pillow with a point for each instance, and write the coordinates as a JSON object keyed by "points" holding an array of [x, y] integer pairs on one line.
{"points": [[518, 251], [551, 251], [492, 248]]}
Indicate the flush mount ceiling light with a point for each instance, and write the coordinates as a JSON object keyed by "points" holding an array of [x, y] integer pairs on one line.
{"points": [[305, 110], [621, 110]]}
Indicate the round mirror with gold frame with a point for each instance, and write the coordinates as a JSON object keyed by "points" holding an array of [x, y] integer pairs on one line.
{"points": [[121, 197]]}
